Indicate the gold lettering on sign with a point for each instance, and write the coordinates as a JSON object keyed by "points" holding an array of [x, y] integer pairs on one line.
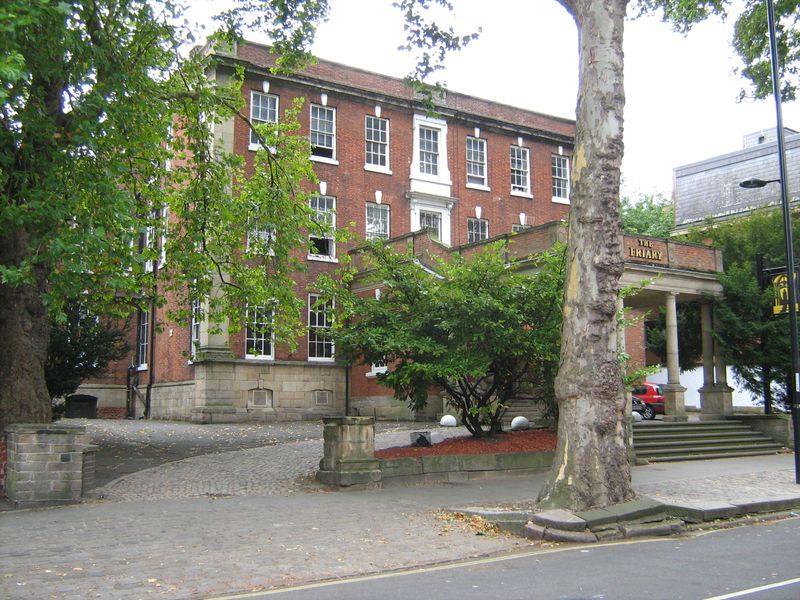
{"points": [[647, 254]]}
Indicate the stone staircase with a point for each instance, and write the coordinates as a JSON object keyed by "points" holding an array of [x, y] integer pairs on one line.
{"points": [[657, 441], [522, 407]]}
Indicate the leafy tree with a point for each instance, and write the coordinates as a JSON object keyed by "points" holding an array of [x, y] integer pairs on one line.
{"points": [[89, 95], [649, 214], [81, 346], [89, 90], [476, 329], [753, 342], [689, 343]]}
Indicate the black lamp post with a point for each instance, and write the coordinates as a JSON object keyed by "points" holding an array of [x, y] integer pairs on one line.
{"points": [[794, 380]]}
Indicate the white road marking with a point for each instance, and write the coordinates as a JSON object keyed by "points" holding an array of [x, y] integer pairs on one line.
{"points": [[754, 590]]}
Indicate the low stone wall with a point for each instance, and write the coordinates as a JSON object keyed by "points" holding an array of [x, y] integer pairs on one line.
{"points": [[778, 427], [47, 464], [461, 467], [349, 460]]}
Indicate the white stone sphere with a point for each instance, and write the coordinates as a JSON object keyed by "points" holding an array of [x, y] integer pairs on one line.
{"points": [[636, 416], [519, 423], [448, 421]]}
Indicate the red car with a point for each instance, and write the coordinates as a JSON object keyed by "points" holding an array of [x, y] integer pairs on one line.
{"points": [[653, 398]]}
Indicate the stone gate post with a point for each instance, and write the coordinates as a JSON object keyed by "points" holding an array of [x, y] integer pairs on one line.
{"points": [[349, 457]]}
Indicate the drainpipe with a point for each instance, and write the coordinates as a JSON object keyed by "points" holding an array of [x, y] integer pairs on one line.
{"points": [[347, 391], [151, 374]]}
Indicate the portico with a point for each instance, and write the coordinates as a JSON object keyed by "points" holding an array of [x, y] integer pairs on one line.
{"points": [[675, 273]]}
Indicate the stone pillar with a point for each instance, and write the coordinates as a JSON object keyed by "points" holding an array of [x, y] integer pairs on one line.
{"points": [[45, 463], [725, 391], [709, 389], [674, 408], [349, 452], [718, 400]]}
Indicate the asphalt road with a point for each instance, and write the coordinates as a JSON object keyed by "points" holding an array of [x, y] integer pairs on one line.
{"points": [[757, 562]]}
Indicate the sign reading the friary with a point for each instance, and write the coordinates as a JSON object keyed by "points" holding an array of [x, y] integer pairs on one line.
{"points": [[642, 249]]}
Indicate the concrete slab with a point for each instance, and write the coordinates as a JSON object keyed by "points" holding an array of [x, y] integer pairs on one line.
{"points": [[559, 519]]}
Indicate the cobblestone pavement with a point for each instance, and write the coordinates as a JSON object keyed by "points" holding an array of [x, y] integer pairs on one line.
{"points": [[267, 533], [732, 488], [283, 462]]}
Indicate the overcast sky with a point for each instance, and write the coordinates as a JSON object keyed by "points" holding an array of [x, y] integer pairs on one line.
{"points": [[681, 91]]}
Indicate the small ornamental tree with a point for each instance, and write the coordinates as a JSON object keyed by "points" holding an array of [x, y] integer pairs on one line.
{"points": [[475, 328], [81, 346]]}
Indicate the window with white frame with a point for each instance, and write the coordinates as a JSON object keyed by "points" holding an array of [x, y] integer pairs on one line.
{"points": [[520, 170], [260, 240], [560, 169], [148, 244], [194, 328], [431, 220], [378, 368], [477, 230], [322, 243], [517, 227], [143, 338], [323, 131], [258, 332], [430, 173], [476, 161], [263, 109], [320, 320], [429, 151], [377, 221], [376, 142]]}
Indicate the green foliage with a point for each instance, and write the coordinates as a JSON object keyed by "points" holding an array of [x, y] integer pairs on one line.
{"points": [[754, 343], [475, 328], [689, 343], [91, 95], [631, 375], [750, 39], [649, 214], [81, 346], [752, 45]]}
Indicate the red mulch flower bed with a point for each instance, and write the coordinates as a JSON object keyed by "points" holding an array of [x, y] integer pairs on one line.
{"points": [[532, 440]]}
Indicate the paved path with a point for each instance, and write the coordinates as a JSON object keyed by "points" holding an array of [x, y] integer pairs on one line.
{"points": [[244, 522], [284, 461]]}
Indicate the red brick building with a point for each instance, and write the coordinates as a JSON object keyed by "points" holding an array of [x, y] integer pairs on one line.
{"points": [[475, 170], [387, 167]]}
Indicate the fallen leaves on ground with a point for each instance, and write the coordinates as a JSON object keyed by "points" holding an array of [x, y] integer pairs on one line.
{"points": [[474, 523]]}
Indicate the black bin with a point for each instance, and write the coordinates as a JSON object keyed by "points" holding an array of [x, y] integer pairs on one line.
{"points": [[81, 406]]}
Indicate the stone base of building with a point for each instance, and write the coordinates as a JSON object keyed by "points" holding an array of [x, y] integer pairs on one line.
{"points": [[390, 408]]}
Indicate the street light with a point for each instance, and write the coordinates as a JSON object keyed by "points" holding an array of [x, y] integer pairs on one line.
{"points": [[755, 182], [794, 380]]}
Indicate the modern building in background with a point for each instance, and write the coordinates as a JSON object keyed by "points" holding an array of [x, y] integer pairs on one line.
{"points": [[709, 189]]}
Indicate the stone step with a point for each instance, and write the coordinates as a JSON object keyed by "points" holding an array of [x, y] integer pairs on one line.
{"points": [[654, 437], [719, 449], [699, 440], [739, 436], [701, 443], [708, 455]]}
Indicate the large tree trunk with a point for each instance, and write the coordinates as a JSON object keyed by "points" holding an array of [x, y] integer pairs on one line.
{"points": [[590, 468], [24, 336]]}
